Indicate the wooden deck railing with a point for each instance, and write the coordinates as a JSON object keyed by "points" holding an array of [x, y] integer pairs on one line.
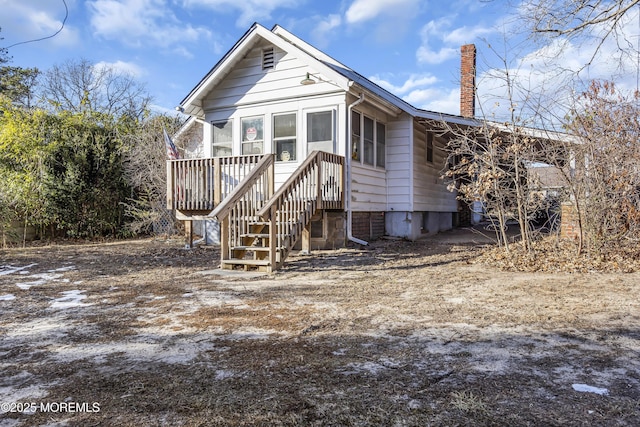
{"points": [[318, 183], [201, 184]]}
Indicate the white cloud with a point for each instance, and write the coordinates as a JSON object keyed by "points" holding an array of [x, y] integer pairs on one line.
{"points": [[140, 22], [425, 55], [411, 83], [423, 91], [124, 67], [465, 35], [250, 10], [324, 29], [439, 43], [365, 10], [436, 99]]}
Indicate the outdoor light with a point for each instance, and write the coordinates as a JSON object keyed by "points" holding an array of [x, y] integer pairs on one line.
{"points": [[307, 81]]}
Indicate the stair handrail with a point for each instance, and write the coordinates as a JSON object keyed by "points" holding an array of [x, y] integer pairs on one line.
{"points": [[278, 197], [225, 207]]}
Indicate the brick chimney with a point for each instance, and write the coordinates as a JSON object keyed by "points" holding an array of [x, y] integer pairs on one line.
{"points": [[468, 80]]}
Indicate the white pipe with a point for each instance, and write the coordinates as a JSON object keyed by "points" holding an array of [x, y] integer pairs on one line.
{"points": [[349, 153]]}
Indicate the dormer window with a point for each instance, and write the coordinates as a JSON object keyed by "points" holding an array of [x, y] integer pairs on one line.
{"points": [[268, 58]]}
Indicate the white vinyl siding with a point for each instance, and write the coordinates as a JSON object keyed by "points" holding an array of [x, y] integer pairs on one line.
{"points": [[398, 164], [368, 189], [249, 84], [430, 191]]}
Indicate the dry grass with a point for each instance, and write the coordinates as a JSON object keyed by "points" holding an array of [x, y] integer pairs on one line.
{"points": [[398, 334]]}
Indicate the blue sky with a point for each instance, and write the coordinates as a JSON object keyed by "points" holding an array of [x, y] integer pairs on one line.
{"points": [[410, 47]]}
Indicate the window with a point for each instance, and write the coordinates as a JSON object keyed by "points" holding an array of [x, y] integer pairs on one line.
{"points": [[429, 147], [381, 141], [320, 131], [268, 59], [284, 137], [252, 135], [222, 138], [367, 142], [355, 135]]}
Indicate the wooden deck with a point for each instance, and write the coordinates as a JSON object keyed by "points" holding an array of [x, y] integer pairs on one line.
{"points": [[258, 225]]}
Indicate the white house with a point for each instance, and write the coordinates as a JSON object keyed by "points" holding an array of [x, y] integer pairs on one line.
{"points": [[274, 96]]}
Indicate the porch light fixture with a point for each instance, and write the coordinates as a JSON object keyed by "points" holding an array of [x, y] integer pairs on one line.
{"points": [[307, 80]]}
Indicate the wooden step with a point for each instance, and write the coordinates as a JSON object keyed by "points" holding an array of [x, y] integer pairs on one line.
{"points": [[254, 262], [253, 248], [248, 264], [256, 235]]}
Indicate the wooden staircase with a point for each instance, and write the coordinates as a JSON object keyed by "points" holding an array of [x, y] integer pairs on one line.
{"points": [[260, 227]]}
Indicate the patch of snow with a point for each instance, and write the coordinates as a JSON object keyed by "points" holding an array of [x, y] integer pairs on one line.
{"points": [[10, 269], [372, 368], [250, 333], [221, 374], [143, 348], [219, 299], [67, 268], [43, 278], [39, 330], [584, 388], [7, 297], [70, 299], [13, 392]]}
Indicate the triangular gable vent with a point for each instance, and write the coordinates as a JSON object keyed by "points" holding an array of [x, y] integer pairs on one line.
{"points": [[268, 58]]}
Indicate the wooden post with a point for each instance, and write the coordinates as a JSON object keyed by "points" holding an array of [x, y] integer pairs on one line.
{"points": [[188, 233], [170, 183], [319, 198], [273, 239], [224, 240], [271, 179], [342, 180], [217, 182], [306, 238]]}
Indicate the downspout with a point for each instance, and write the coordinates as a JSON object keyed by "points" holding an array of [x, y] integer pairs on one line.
{"points": [[348, 174]]}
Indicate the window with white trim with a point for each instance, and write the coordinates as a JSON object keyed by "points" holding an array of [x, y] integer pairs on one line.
{"points": [[355, 135], [321, 131], [222, 138], [284, 137], [368, 140], [252, 135]]}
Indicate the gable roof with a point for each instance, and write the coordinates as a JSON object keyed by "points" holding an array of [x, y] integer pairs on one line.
{"points": [[344, 77]]}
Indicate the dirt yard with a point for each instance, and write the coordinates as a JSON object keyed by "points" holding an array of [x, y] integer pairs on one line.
{"points": [[147, 333]]}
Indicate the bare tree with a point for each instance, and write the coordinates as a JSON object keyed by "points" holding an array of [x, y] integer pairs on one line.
{"points": [[79, 85], [146, 169], [590, 25], [605, 178]]}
